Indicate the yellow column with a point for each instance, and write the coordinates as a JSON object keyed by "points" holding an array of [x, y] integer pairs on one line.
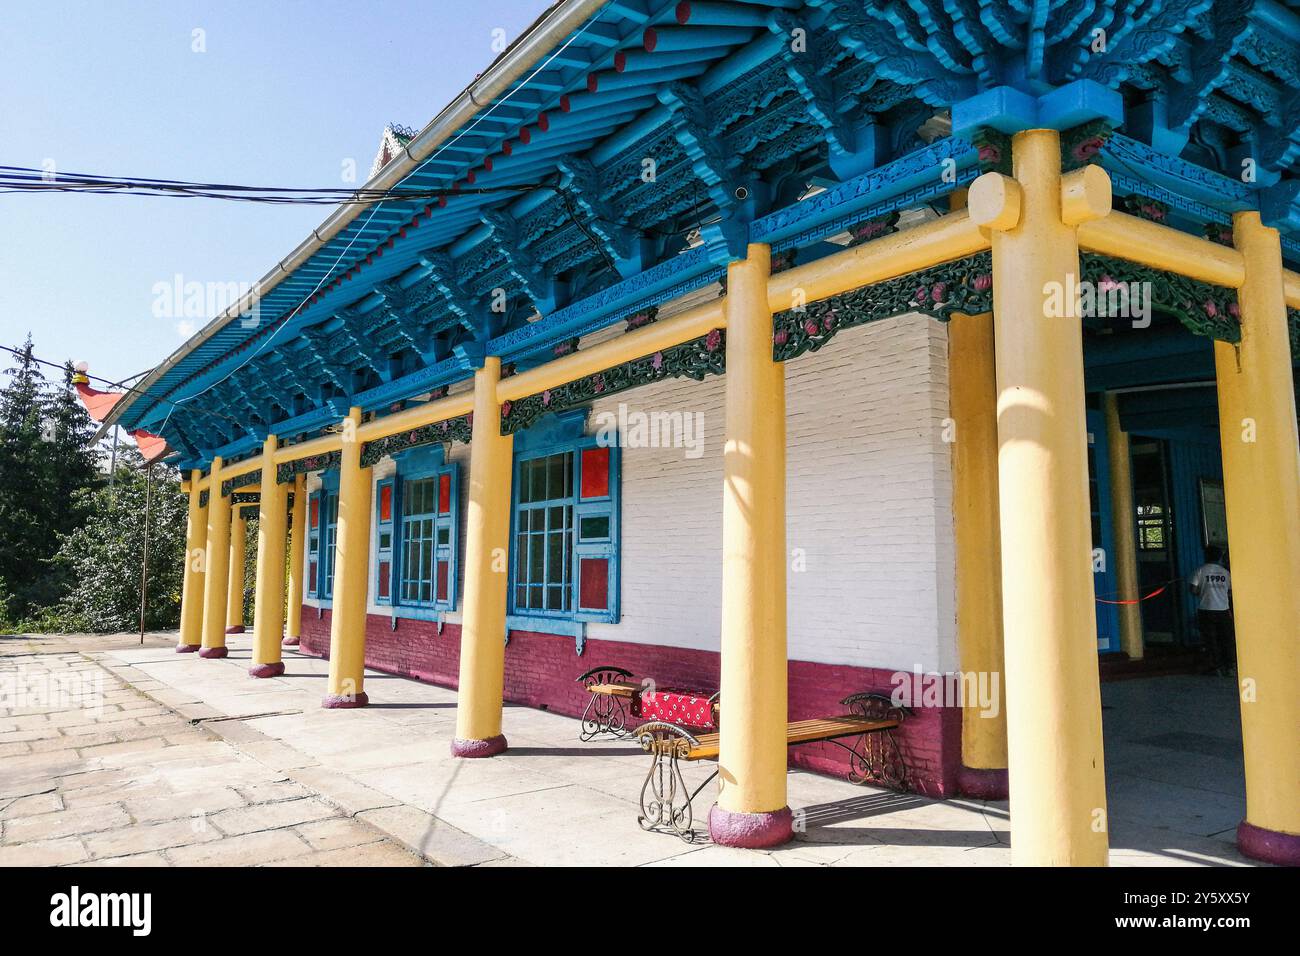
{"points": [[1054, 744], [218, 564], [972, 389], [297, 555], [238, 554], [1261, 483], [487, 545], [1123, 518], [351, 575], [268, 596], [751, 810], [196, 539]]}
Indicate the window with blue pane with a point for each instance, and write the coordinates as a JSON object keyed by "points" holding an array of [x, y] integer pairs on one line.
{"points": [[564, 557], [417, 513], [313, 543], [330, 517], [543, 529]]}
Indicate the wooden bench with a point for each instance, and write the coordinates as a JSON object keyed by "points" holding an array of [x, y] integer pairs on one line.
{"points": [[874, 757], [615, 697]]}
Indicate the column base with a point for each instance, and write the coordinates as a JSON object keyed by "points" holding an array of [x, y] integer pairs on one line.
{"points": [[1271, 846], [266, 670], [345, 701], [235, 629], [752, 831], [479, 748], [290, 642], [213, 652], [187, 648], [982, 784]]}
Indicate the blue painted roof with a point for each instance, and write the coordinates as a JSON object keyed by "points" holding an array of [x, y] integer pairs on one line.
{"points": [[660, 136]]}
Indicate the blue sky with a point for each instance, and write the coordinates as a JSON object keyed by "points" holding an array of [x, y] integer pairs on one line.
{"points": [[286, 92]]}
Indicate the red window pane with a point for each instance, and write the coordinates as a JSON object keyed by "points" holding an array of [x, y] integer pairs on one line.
{"points": [[385, 575], [442, 580], [311, 576], [593, 584], [595, 473], [386, 503], [315, 512], [444, 494]]}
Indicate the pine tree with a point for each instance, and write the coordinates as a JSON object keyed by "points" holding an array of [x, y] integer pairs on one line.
{"points": [[24, 501], [73, 461], [46, 462]]}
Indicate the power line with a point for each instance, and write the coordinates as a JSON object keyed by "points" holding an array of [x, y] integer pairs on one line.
{"points": [[25, 179]]}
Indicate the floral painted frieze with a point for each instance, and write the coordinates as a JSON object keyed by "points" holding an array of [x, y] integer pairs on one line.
{"points": [[239, 481], [994, 151], [1145, 208], [1202, 308], [874, 228], [453, 429], [695, 359], [963, 285], [1082, 145], [285, 473]]}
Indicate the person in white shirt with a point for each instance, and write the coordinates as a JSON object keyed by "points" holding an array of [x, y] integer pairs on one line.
{"points": [[1212, 584]]}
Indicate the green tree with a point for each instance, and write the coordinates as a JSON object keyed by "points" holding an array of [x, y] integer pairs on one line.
{"points": [[25, 535], [102, 558]]}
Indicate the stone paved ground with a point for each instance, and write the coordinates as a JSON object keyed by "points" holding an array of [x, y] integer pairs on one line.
{"points": [[93, 772], [191, 761]]}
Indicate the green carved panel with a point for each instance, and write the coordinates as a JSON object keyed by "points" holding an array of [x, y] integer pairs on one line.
{"points": [[454, 429], [695, 359], [963, 285]]}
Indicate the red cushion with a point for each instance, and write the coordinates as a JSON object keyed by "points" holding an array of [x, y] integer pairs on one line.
{"points": [[677, 707]]}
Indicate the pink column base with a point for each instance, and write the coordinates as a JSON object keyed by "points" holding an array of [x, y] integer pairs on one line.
{"points": [[213, 652], [266, 670], [345, 701], [235, 629], [479, 748], [186, 648], [752, 831], [982, 784], [1270, 846], [290, 642]]}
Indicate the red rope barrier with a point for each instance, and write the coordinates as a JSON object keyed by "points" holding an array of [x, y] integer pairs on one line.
{"points": [[1146, 597]]}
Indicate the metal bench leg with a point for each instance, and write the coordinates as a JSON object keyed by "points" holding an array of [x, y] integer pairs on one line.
{"points": [[875, 758], [666, 804], [604, 714]]}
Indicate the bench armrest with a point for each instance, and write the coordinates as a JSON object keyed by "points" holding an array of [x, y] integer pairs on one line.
{"points": [[603, 675], [874, 706], [659, 736]]}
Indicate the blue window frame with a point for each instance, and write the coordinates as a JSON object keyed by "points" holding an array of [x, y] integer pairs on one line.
{"points": [[385, 506], [564, 525], [330, 521], [322, 535], [313, 543], [417, 516], [544, 512]]}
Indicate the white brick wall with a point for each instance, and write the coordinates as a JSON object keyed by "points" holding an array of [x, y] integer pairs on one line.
{"points": [[869, 494], [868, 502]]}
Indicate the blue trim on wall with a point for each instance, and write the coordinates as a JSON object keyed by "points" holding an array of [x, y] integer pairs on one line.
{"points": [[1103, 582]]}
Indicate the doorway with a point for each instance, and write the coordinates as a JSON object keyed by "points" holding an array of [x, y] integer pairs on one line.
{"points": [[1157, 549]]}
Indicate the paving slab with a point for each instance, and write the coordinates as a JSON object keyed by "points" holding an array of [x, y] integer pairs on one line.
{"points": [[333, 780]]}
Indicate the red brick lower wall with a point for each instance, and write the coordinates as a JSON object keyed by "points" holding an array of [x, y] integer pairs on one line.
{"points": [[540, 672]]}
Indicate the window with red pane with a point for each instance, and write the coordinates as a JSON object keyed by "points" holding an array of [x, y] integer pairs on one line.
{"points": [[416, 515], [564, 562]]}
